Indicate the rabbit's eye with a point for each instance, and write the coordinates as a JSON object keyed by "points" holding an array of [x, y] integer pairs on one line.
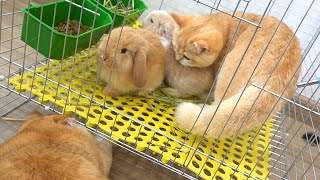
{"points": [[124, 50], [151, 20]]}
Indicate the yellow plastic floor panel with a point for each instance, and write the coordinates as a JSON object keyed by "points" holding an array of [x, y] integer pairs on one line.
{"points": [[79, 75]]}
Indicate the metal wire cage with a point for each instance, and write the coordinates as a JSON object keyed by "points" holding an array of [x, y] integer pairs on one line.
{"points": [[286, 147]]}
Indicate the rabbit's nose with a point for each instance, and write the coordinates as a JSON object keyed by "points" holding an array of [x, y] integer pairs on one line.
{"points": [[104, 57]]}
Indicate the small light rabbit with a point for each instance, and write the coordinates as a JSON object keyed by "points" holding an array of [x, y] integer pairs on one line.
{"points": [[132, 61]]}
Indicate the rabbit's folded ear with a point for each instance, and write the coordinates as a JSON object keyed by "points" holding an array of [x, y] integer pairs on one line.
{"points": [[139, 71]]}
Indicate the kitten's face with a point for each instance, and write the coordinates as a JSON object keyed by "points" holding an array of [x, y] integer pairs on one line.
{"points": [[195, 49]]}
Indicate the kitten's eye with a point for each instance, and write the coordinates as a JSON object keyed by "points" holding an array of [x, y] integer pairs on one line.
{"points": [[124, 50], [186, 57], [151, 20]]}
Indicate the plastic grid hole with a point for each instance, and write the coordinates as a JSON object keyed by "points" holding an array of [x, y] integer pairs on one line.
{"points": [[233, 151], [159, 117]]}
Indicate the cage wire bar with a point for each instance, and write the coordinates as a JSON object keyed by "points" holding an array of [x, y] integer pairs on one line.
{"points": [[290, 156]]}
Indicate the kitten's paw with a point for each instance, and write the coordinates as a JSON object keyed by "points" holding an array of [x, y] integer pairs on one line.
{"points": [[162, 23], [170, 92], [110, 92], [167, 28], [165, 42], [144, 92], [204, 96], [174, 92], [186, 115], [202, 105]]}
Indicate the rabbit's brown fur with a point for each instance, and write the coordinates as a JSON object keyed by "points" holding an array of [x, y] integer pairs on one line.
{"points": [[139, 70], [202, 39], [54, 147]]}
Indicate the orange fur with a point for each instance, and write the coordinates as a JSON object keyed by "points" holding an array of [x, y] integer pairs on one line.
{"points": [[183, 75], [186, 81], [54, 147], [208, 27], [140, 70], [194, 48]]}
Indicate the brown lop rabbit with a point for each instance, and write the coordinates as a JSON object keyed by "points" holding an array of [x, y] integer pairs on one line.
{"points": [[54, 147], [132, 61]]}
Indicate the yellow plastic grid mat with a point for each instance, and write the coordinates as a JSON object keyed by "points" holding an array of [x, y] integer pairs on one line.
{"points": [[79, 75]]}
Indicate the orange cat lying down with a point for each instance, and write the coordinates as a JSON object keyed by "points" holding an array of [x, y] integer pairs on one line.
{"points": [[271, 59], [243, 106], [54, 147]]}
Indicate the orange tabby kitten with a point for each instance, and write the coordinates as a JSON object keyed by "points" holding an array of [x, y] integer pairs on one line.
{"points": [[54, 147], [202, 38]]}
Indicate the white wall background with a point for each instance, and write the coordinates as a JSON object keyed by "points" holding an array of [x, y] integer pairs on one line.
{"points": [[306, 12]]}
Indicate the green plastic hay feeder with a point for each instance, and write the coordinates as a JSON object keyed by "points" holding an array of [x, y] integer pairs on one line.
{"points": [[130, 18], [30, 29]]}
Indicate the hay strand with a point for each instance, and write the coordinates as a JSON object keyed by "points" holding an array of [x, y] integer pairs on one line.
{"points": [[11, 119]]}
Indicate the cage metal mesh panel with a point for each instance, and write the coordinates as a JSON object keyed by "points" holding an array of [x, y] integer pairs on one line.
{"points": [[145, 123], [145, 126]]}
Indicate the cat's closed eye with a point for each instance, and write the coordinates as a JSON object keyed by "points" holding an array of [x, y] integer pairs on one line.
{"points": [[187, 58]]}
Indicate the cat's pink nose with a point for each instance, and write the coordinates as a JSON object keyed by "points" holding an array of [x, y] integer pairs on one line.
{"points": [[178, 58]]}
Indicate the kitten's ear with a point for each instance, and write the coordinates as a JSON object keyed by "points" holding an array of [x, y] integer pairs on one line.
{"points": [[36, 114], [34, 117], [69, 122], [201, 46], [182, 20], [208, 41], [64, 120]]}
